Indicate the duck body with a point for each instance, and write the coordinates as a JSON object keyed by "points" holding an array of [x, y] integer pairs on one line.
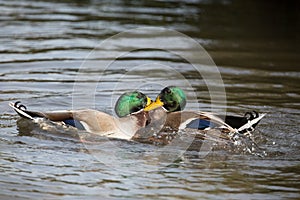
{"points": [[129, 107], [169, 106]]}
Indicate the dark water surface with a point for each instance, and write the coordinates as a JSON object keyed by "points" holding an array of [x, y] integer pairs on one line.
{"points": [[255, 45]]}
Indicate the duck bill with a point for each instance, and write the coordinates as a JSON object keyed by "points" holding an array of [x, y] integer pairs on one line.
{"points": [[149, 101], [155, 104]]}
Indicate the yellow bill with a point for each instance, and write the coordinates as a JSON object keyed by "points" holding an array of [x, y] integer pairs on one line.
{"points": [[149, 101], [153, 105]]}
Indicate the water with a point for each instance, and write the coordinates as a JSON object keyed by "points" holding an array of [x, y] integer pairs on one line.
{"points": [[255, 45]]}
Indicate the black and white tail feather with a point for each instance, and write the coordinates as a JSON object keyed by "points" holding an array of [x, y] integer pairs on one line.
{"points": [[253, 118], [21, 109]]}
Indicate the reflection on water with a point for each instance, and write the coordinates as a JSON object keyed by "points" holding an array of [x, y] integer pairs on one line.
{"points": [[43, 44]]}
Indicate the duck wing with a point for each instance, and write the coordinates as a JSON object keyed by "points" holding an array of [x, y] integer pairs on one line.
{"points": [[81, 119], [207, 120], [242, 124]]}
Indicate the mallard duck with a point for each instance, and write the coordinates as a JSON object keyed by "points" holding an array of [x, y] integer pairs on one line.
{"points": [[169, 108], [130, 107]]}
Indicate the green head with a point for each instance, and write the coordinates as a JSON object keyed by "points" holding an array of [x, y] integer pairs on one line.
{"points": [[173, 98], [131, 102]]}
